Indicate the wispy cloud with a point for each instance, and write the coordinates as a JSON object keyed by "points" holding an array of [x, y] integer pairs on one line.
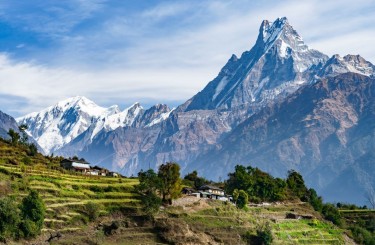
{"points": [[118, 53]]}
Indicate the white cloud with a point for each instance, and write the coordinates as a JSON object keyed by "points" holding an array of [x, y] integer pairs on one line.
{"points": [[43, 86], [164, 10], [134, 57]]}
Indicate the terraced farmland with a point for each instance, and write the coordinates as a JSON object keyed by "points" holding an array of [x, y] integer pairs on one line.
{"points": [[66, 195], [73, 199], [227, 225]]}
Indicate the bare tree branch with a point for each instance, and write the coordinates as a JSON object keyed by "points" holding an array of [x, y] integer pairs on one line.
{"points": [[370, 197]]}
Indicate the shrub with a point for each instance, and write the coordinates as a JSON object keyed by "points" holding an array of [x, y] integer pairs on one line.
{"points": [[242, 199], [96, 188], [32, 213], [151, 203], [92, 210], [26, 160], [362, 236], [9, 219], [331, 213], [264, 234]]}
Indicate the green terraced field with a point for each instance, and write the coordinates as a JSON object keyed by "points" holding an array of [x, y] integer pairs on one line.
{"points": [[223, 222], [66, 195]]}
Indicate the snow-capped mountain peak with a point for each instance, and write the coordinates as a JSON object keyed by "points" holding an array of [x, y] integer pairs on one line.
{"points": [[280, 31], [277, 65], [121, 119], [270, 31], [58, 125], [349, 63]]}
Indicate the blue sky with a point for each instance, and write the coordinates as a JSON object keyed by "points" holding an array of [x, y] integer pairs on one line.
{"points": [[123, 51]]}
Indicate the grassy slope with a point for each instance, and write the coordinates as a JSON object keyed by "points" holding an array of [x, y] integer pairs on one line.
{"points": [[225, 224], [65, 195]]}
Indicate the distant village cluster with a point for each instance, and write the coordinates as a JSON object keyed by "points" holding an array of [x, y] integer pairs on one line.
{"points": [[83, 167], [207, 191]]}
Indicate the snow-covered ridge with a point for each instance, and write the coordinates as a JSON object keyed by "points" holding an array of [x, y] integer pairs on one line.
{"points": [[58, 125], [121, 119], [349, 63]]}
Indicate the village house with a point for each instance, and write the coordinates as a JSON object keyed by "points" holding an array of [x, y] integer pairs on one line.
{"points": [[75, 165], [212, 192], [101, 171], [113, 174]]}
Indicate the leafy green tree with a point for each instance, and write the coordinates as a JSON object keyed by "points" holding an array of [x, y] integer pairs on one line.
{"points": [[296, 184], [315, 200], [193, 177], [257, 184], [240, 179], [9, 219], [14, 137], [32, 213], [23, 129], [33, 150], [331, 213], [148, 189], [169, 175], [242, 200]]}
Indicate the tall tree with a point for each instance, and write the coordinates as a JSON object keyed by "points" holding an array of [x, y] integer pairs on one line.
{"points": [[14, 136], [148, 189], [296, 184], [198, 181], [23, 129], [169, 175]]}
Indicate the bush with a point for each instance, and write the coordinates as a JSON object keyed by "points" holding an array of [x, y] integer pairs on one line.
{"points": [[32, 213], [362, 236], [151, 203], [96, 188], [92, 210], [26, 160], [331, 213], [242, 199], [264, 234], [9, 219]]}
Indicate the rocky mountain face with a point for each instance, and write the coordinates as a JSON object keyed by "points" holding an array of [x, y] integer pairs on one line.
{"points": [[279, 106], [278, 64], [324, 130], [7, 122]]}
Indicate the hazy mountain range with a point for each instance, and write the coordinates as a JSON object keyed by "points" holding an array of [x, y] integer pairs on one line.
{"points": [[279, 106]]}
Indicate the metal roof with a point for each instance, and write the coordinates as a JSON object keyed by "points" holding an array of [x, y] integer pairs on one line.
{"points": [[80, 165]]}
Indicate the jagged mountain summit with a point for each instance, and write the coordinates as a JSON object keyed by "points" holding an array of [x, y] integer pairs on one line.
{"points": [[271, 107], [278, 64]]}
